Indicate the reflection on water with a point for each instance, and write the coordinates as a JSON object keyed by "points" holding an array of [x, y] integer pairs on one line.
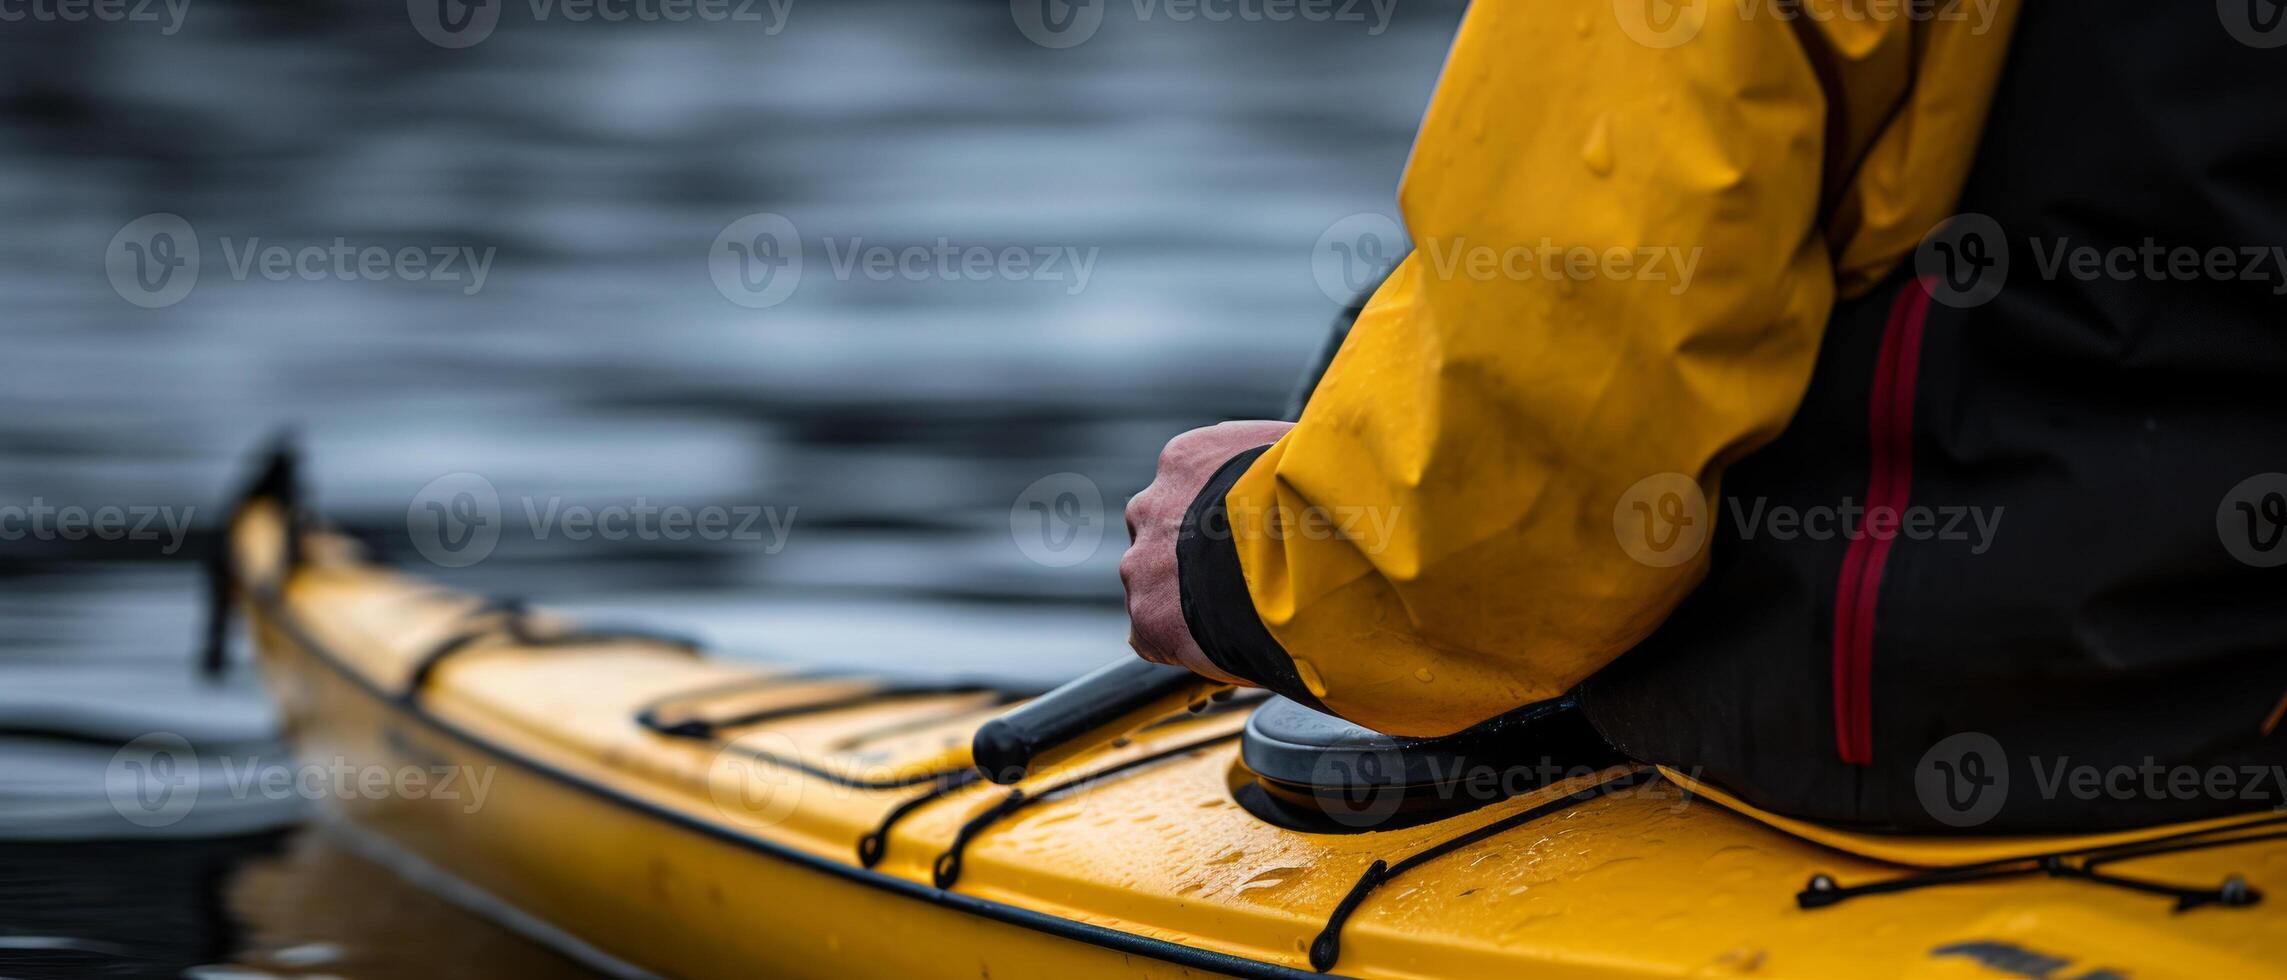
{"points": [[284, 904], [898, 419]]}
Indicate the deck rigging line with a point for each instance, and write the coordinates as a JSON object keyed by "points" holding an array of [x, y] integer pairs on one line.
{"points": [[2233, 892], [1327, 948]]}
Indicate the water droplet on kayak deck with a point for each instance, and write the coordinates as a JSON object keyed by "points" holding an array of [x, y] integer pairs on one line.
{"points": [[1268, 878], [1597, 151]]}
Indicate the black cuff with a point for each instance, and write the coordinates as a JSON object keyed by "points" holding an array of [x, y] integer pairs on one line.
{"points": [[1216, 604]]}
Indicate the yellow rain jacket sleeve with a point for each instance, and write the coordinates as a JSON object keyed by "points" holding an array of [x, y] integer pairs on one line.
{"points": [[1625, 253]]}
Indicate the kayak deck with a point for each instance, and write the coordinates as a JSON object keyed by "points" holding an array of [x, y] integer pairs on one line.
{"points": [[703, 817]]}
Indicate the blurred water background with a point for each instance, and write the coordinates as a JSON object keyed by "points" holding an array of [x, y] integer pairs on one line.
{"points": [[897, 421]]}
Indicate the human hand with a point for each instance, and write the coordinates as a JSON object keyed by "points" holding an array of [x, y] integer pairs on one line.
{"points": [[1156, 628]]}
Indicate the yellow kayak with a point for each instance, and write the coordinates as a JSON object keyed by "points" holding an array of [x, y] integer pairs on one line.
{"points": [[696, 817]]}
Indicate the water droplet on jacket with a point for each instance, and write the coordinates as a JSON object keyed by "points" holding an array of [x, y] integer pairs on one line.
{"points": [[1423, 675], [1581, 25], [1310, 679], [1597, 151]]}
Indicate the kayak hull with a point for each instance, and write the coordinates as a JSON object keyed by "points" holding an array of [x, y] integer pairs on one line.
{"points": [[582, 801], [653, 887]]}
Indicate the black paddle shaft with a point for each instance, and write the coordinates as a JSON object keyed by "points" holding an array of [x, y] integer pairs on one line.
{"points": [[1102, 705]]}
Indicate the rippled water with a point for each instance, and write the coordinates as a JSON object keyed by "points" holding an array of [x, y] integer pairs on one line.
{"points": [[896, 420]]}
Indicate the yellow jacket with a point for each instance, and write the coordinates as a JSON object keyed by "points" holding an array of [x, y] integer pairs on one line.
{"points": [[1542, 358]]}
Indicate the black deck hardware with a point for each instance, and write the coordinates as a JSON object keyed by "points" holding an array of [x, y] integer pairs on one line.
{"points": [[279, 479], [2233, 892], [648, 715], [946, 871], [875, 844], [515, 618], [1327, 948], [707, 729], [1127, 943]]}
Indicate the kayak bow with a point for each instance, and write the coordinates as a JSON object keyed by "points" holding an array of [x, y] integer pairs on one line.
{"points": [[706, 817]]}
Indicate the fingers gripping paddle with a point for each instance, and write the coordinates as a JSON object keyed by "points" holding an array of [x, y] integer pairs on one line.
{"points": [[1102, 705]]}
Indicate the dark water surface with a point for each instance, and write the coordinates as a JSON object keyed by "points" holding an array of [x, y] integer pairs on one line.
{"points": [[897, 421]]}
